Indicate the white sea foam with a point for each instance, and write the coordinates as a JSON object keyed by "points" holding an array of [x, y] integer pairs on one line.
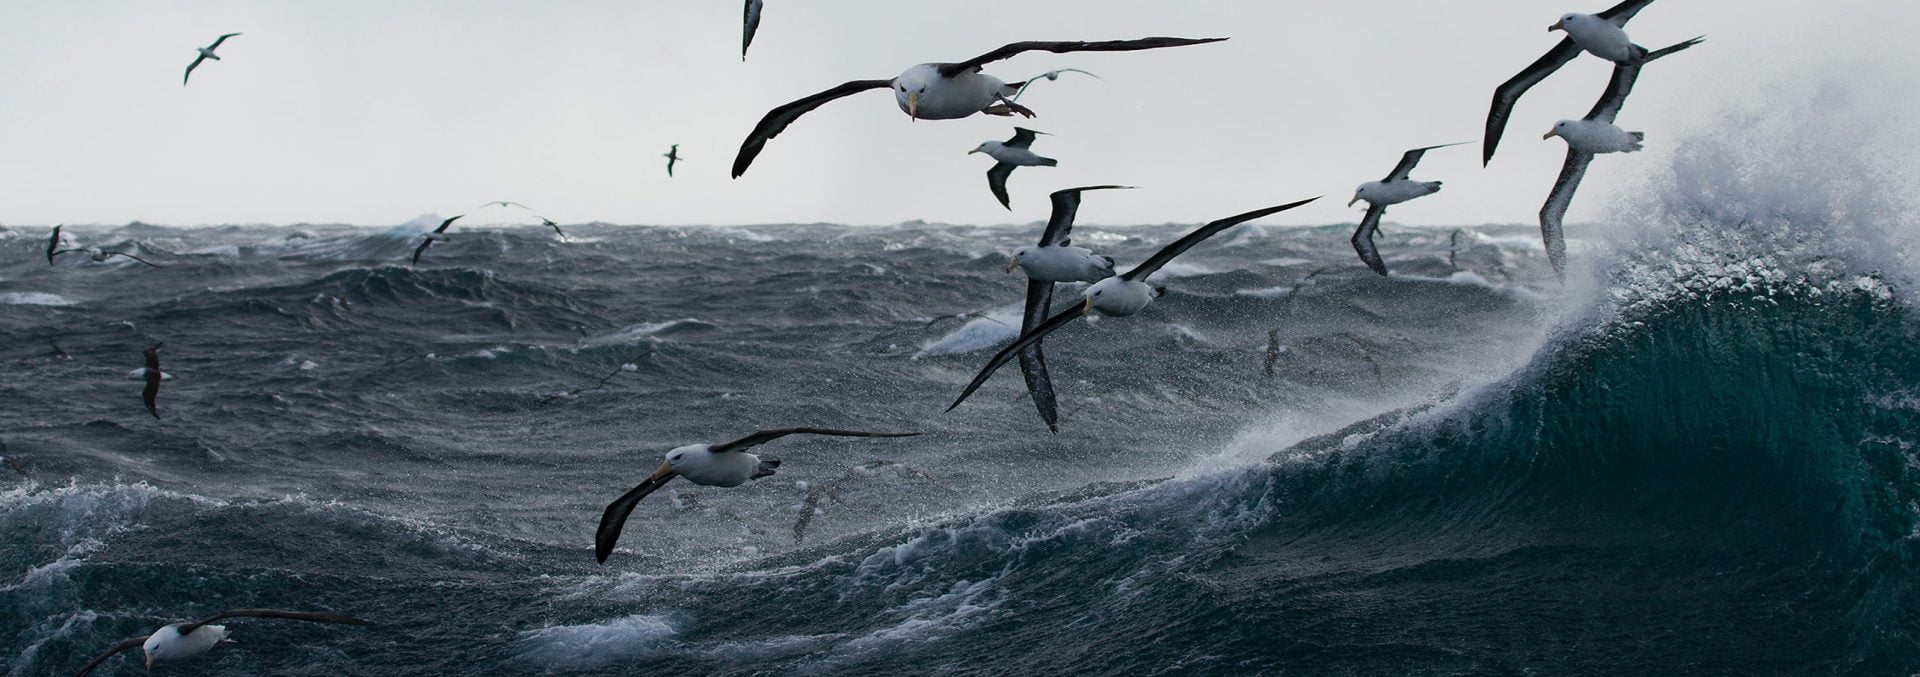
{"points": [[1000, 326], [34, 298]]}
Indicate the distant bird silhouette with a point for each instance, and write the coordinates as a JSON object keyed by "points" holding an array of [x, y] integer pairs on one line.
{"points": [[205, 53], [672, 155], [436, 235]]}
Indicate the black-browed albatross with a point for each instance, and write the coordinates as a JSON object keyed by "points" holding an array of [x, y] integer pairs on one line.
{"points": [[430, 238], [672, 155], [1586, 137], [711, 465], [181, 641], [1393, 190], [1008, 155], [1119, 296], [1602, 35], [1051, 261], [941, 91], [205, 53]]}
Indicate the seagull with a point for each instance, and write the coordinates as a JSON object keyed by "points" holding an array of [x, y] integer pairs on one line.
{"points": [[941, 91], [749, 24], [1008, 155], [1118, 296], [724, 465], [437, 234], [181, 641], [672, 155], [1050, 76], [205, 53], [1393, 190], [153, 376], [1585, 138], [1599, 34], [1049, 262]]}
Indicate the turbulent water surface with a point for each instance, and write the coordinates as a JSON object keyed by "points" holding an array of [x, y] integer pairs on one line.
{"points": [[1685, 459]]}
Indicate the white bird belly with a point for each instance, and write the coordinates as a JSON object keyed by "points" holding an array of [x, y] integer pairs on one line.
{"points": [[1593, 136], [1602, 39], [1115, 297], [729, 469], [1065, 264], [1016, 156], [1383, 193], [945, 98], [169, 645]]}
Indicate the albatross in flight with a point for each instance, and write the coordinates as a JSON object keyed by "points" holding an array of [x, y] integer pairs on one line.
{"points": [[1008, 155], [181, 641], [1601, 35], [1118, 296], [1050, 76], [436, 235], [97, 254], [205, 53], [1051, 261], [1586, 137], [711, 465], [1393, 190], [153, 376], [941, 91], [672, 155]]}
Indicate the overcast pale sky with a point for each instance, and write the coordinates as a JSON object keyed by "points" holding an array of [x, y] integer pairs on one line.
{"points": [[375, 111]]}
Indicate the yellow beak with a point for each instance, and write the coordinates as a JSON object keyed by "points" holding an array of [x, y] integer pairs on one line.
{"points": [[664, 471], [913, 105], [976, 150], [1356, 198], [1549, 135], [1087, 307], [1557, 26], [149, 662], [1012, 264]]}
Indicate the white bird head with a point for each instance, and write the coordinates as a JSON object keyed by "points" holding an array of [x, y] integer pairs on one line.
{"points": [[911, 85], [682, 459], [1020, 257], [1559, 129], [1568, 20], [987, 147]]}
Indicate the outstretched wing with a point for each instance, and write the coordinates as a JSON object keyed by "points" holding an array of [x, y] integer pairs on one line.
{"points": [[308, 616], [1066, 204], [1363, 239], [615, 517], [766, 436], [1622, 13], [1554, 212], [997, 182], [124, 645], [1022, 138], [1410, 159], [217, 41], [777, 119], [1033, 364], [953, 69], [190, 67], [449, 222], [749, 24], [1166, 254], [1508, 93], [136, 258], [1608, 107], [53, 245], [424, 244], [1026, 338]]}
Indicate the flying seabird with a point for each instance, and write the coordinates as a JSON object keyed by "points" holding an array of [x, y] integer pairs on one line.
{"points": [[749, 24], [941, 91], [437, 234], [1585, 138], [1119, 296], [53, 246], [550, 224], [1053, 260], [1050, 76], [504, 203], [1599, 34], [1010, 154], [1393, 190], [672, 155], [153, 376], [181, 641], [98, 255], [57, 350], [723, 465], [205, 53]]}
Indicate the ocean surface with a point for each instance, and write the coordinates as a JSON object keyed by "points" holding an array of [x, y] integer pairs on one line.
{"points": [[1696, 455]]}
